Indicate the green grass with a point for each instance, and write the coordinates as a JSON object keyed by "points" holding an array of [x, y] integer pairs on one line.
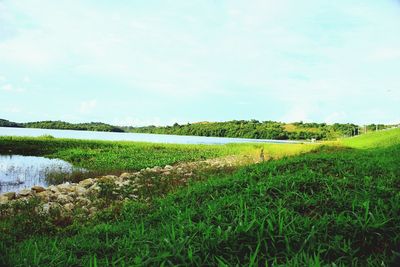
{"points": [[383, 138], [337, 206], [107, 156]]}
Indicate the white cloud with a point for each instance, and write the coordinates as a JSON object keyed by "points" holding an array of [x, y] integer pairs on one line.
{"points": [[299, 112], [386, 53], [157, 121], [88, 106], [338, 116], [130, 121], [29, 49], [26, 79], [13, 109], [10, 88]]}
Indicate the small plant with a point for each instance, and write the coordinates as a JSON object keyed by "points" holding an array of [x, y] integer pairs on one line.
{"points": [[46, 136], [108, 189]]}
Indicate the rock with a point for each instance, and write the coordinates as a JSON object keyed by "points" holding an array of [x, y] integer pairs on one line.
{"points": [[80, 191], [166, 173], [94, 187], [25, 193], [9, 195], [168, 167], [84, 209], [67, 187], [53, 189], [69, 206], [3, 200], [125, 175], [157, 169], [86, 183], [45, 195], [83, 201], [64, 199], [92, 210], [72, 194], [110, 177], [124, 183], [47, 207], [53, 197], [38, 189]]}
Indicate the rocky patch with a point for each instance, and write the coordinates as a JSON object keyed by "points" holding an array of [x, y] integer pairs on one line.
{"points": [[85, 195]]}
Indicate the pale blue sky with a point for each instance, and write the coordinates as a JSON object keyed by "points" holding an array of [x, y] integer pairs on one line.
{"points": [[160, 62]]}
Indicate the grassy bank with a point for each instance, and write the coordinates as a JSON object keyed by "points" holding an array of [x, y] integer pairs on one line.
{"points": [[379, 139], [338, 206], [109, 157]]}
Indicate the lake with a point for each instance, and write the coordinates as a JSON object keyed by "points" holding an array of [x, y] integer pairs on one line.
{"points": [[20, 172], [152, 138]]}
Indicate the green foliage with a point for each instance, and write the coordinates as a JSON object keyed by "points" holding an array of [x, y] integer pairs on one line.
{"points": [[109, 157], [108, 189], [47, 136], [252, 129], [6, 123], [256, 129], [92, 126], [336, 207], [384, 138]]}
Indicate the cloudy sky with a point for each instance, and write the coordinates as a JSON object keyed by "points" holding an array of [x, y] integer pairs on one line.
{"points": [[160, 62]]}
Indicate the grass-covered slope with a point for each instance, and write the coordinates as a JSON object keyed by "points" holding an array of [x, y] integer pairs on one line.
{"points": [[338, 206], [383, 138]]}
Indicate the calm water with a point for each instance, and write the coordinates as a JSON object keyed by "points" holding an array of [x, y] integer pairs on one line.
{"points": [[19, 172], [153, 138]]}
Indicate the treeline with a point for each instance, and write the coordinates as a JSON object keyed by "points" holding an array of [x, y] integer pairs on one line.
{"points": [[252, 129], [259, 130], [6, 123], [92, 126]]}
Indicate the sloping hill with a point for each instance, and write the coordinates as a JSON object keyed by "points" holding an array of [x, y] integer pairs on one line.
{"points": [[383, 138]]}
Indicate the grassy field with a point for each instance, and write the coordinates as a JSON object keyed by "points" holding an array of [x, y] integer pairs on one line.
{"points": [[109, 157], [379, 139], [338, 206]]}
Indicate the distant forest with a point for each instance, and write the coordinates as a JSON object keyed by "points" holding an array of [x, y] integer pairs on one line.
{"points": [[261, 130], [252, 129], [92, 126]]}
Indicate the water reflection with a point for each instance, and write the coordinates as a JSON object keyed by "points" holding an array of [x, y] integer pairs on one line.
{"points": [[20, 172]]}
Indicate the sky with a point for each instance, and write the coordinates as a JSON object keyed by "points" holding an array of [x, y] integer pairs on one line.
{"points": [[159, 62]]}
